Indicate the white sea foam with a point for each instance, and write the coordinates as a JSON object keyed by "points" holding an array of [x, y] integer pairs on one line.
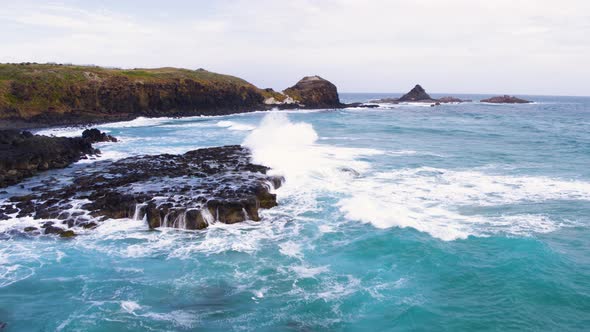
{"points": [[104, 155], [426, 199], [180, 318], [291, 249], [231, 125], [304, 271], [17, 262], [130, 306], [290, 149], [137, 122]]}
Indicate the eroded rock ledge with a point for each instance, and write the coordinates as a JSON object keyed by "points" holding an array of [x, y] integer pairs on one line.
{"points": [[189, 191]]}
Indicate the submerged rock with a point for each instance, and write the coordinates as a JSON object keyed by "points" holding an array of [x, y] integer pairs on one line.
{"points": [[314, 92], [505, 99], [189, 191]]}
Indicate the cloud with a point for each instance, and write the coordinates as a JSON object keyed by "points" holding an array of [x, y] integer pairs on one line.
{"points": [[454, 45]]}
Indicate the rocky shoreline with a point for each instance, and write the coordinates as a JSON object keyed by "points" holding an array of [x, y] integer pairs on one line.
{"points": [[23, 154], [188, 191], [42, 95]]}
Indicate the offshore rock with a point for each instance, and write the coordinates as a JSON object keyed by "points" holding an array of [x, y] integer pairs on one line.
{"points": [[23, 154], [314, 92], [417, 94], [94, 136], [505, 99], [188, 191]]}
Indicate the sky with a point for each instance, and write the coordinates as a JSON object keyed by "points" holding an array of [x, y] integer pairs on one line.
{"points": [[461, 46]]}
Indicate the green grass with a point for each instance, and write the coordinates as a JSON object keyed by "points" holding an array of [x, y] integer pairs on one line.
{"points": [[45, 85]]}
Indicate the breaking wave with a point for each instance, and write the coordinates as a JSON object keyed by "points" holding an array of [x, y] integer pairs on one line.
{"points": [[426, 199]]}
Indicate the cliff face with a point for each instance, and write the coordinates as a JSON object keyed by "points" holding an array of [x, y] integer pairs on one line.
{"points": [[314, 92], [54, 94]]}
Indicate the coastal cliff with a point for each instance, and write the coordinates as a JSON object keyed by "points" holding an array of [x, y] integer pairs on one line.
{"points": [[46, 94], [39, 95]]}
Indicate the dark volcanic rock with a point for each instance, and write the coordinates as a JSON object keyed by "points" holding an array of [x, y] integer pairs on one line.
{"points": [[416, 94], [505, 100], [94, 136], [187, 191], [53, 230], [362, 105], [314, 92], [24, 154]]}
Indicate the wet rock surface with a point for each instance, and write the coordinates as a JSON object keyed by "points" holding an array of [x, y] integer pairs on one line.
{"points": [[23, 154], [189, 191]]}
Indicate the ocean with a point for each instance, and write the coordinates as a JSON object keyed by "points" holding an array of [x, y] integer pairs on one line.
{"points": [[460, 217]]}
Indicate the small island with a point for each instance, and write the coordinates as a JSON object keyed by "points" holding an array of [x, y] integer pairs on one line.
{"points": [[419, 95], [506, 99]]}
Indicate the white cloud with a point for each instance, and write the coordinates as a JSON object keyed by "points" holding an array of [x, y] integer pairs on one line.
{"points": [[453, 45]]}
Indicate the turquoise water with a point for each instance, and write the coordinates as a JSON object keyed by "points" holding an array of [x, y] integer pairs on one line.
{"points": [[455, 218]]}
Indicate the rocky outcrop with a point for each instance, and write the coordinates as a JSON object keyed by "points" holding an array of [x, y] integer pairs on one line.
{"points": [[505, 99], [417, 94], [23, 154], [314, 92], [95, 136], [189, 191]]}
